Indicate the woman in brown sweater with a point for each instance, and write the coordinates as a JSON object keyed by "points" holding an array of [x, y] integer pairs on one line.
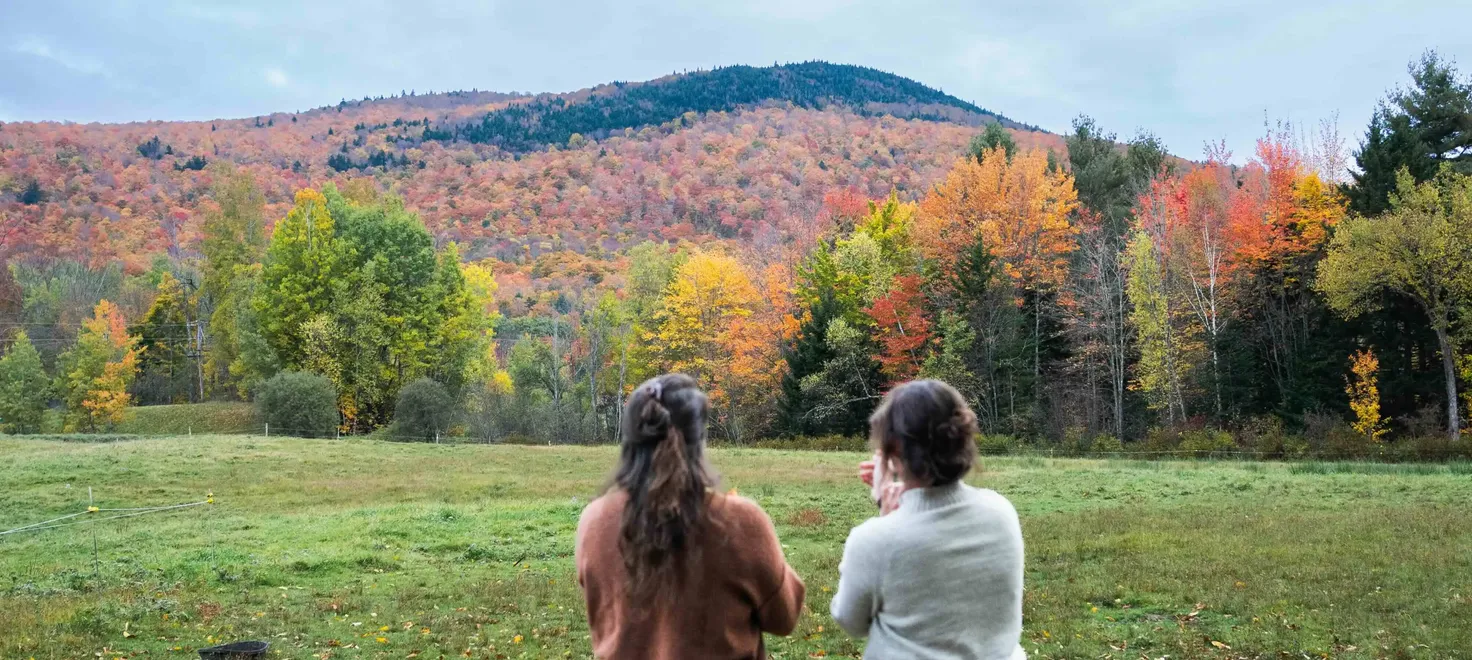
{"points": [[670, 568]]}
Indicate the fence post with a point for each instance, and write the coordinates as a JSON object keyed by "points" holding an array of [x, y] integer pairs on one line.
{"points": [[268, 429], [96, 565]]}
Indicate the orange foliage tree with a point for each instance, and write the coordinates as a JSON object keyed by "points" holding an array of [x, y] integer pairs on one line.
{"points": [[1020, 209]]}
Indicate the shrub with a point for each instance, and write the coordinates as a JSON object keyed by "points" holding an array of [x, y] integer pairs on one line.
{"points": [[1264, 434], [424, 411], [995, 445], [1206, 441], [1343, 441], [1106, 444], [1436, 447], [89, 438], [1295, 446], [298, 403], [1075, 441], [1160, 439], [1425, 422]]}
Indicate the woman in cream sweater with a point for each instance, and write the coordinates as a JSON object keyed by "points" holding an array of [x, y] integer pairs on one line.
{"points": [[938, 574]]}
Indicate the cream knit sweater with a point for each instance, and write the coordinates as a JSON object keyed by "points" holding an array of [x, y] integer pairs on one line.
{"points": [[938, 578]]}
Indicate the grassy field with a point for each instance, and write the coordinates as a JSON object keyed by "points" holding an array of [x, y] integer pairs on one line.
{"points": [[182, 419], [362, 549]]}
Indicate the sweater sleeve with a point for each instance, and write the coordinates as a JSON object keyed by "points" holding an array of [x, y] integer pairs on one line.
{"points": [[778, 589], [859, 573]]}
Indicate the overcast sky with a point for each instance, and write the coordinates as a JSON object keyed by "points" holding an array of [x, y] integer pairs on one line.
{"points": [[1190, 74]]}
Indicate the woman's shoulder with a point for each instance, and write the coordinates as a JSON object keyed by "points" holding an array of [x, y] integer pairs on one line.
{"points": [[993, 500], [735, 509], [607, 505]]}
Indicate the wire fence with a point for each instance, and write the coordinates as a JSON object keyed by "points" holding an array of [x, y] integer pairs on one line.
{"points": [[56, 523], [94, 515]]}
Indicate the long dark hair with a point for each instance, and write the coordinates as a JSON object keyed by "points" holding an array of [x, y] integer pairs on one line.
{"points": [[662, 468], [926, 425]]}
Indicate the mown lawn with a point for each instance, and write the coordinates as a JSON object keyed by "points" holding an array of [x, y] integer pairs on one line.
{"points": [[363, 549]]}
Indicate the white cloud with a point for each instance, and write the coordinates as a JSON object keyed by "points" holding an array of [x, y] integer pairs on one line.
{"points": [[38, 47], [276, 77]]}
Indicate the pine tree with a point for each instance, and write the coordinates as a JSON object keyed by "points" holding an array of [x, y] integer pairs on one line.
{"points": [[1418, 129], [805, 356], [24, 387]]}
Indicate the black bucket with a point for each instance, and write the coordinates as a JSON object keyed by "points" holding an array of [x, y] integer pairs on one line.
{"points": [[235, 651]]}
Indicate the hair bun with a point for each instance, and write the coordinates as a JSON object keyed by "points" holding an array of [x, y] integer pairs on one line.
{"points": [[654, 421], [949, 432]]}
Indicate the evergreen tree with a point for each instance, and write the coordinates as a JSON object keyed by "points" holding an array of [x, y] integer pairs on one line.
{"points": [[24, 387], [1418, 128], [1390, 144], [32, 194], [992, 137], [805, 356], [1439, 106]]}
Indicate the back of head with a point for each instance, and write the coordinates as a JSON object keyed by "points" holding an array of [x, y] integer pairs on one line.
{"points": [[662, 469], [927, 426]]}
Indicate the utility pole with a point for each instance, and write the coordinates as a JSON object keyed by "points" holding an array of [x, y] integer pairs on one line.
{"points": [[196, 351]]}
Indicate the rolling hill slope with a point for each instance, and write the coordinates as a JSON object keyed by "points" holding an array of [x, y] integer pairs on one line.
{"points": [[734, 153]]}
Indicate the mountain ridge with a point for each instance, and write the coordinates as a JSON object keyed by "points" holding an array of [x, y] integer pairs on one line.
{"points": [[527, 123]]}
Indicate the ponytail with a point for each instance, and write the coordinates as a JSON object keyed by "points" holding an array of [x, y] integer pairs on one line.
{"points": [[662, 469]]}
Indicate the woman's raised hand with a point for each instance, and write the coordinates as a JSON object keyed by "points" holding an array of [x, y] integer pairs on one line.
{"points": [[889, 500], [866, 472]]}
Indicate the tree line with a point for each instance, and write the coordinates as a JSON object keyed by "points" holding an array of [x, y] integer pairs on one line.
{"points": [[1108, 296]]}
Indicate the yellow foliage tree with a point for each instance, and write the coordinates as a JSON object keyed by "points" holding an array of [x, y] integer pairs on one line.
{"points": [[94, 373], [710, 292], [716, 325], [1364, 395]]}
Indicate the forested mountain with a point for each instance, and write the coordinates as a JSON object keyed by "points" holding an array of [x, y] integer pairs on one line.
{"points": [[738, 151], [612, 108]]}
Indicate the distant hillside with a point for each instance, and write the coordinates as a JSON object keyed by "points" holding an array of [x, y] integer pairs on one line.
{"points": [[738, 153]]}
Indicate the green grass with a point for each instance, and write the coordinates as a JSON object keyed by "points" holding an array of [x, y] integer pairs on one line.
{"points": [[323, 547], [198, 418]]}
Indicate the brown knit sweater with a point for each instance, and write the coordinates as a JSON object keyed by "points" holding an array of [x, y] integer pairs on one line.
{"points": [[742, 588]]}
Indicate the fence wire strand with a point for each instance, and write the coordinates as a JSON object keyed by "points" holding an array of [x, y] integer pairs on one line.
{"points": [[132, 512]]}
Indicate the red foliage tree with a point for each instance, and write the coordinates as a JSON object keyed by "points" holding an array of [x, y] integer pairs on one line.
{"points": [[902, 328]]}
